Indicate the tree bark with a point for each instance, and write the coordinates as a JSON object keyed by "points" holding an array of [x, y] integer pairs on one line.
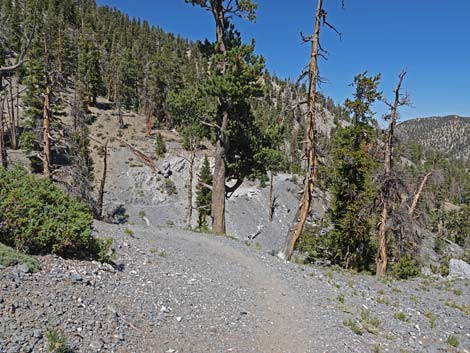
{"points": [[382, 242], [17, 105], [59, 54], [120, 117], [218, 181], [296, 230], [148, 111], [221, 146], [99, 208], [148, 120], [418, 194], [3, 150], [271, 206], [46, 134], [13, 134], [381, 261], [189, 211]]}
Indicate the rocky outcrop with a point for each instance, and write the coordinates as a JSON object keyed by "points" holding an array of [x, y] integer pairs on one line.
{"points": [[459, 269]]}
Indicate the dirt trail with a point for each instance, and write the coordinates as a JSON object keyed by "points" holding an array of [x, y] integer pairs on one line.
{"points": [[276, 319], [275, 303], [175, 291]]}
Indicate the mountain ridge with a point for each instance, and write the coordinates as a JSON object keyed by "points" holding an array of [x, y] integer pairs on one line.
{"points": [[449, 135]]}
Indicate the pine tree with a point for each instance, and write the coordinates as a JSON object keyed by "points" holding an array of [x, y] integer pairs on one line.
{"points": [[188, 109], [89, 73], [33, 100], [350, 242], [41, 80], [160, 146], [234, 79], [390, 184], [204, 194], [81, 162]]}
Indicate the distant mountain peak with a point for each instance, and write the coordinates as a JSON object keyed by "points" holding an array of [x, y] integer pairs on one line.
{"points": [[448, 134]]}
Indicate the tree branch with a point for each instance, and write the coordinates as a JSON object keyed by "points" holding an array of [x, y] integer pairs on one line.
{"points": [[21, 57], [229, 190]]}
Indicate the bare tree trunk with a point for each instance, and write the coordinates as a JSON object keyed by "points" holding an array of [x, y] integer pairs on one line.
{"points": [[382, 242], [189, 214], [146, 104], [271, 201], [296, 230], [59, 55], [218, 181], [13, 134], [381, 261], [148, 120], [99, 207], [116, 85], [17, 105], [412, 209], [46, 134], [221, 146], [120, 117], [109, 84], [3, 150], [149, 162]]}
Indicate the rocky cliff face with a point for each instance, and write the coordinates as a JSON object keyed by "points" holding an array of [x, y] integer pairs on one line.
{"points": [[148, 198]]}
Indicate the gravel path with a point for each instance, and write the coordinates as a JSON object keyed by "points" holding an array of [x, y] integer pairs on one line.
{"points": [[178, 291]]}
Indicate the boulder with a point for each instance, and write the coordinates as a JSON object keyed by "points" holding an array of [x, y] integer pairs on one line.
{"points": [[459, 269]]}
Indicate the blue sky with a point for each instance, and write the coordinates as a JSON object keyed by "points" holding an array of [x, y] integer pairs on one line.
{"points": [[430, 38]]}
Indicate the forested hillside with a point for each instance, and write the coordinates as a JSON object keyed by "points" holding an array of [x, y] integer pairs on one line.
{"points": [[98, 51], [449, 135], [159, 194], [71, 67]]}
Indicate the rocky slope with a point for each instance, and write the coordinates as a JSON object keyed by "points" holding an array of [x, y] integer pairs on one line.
{"points": [[142, 196], [172, 290], [449, 135], [177, 291]]}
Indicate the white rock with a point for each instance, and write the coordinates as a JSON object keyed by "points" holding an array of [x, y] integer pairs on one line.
{"points": [[459, 268]]}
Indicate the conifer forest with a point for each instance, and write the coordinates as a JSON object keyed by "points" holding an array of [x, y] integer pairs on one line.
{"points": [[166, 194]]}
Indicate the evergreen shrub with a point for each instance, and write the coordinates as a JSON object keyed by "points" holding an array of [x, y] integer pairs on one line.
{"points": [[37, 217]]}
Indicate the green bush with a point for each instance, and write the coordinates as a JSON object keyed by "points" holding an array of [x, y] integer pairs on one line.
{"points": [[37, 217], [56, 341], [405, 268], [169, 187], [160, 147], [401, 316], [453, 341], [11, 257], [29, 142]]}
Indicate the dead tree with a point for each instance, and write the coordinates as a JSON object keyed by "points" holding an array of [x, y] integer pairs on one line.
{"points": [[296, 230], [148, 119], [388, 186], [189, 216], [148, 106], [46, 154], [120, 115], [149, 162], [189, 207], [271, 197], [8, 70], [21, 56], [13, 119], [3, 150], [59, 54], [99, 206], [417, 195]]}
